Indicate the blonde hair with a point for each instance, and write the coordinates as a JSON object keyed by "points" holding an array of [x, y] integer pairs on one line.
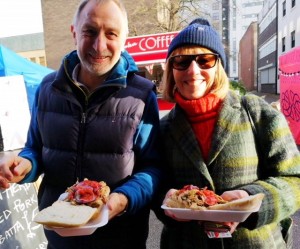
{"points": [[219, 86], [119, 3]]}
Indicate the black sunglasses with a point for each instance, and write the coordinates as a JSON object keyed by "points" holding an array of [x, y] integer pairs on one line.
{"points": [[183, 61]]}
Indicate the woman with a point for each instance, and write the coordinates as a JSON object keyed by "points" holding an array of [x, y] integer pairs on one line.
{"points": [[209, 142]]}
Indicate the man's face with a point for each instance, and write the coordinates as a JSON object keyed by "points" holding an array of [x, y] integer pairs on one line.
{"points": [[99, 34]]}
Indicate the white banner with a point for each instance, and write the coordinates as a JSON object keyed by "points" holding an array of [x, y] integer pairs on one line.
{"points": [[14, 112]]}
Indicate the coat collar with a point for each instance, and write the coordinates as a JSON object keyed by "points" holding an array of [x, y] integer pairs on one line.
{"points": [[183, 134]]}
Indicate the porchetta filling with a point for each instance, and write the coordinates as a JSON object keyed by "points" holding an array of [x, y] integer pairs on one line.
{"points": [[195, 197], [86, 193]]}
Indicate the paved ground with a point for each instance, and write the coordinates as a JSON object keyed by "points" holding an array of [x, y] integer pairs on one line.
{"points": [[267, 96], [156, 226]]}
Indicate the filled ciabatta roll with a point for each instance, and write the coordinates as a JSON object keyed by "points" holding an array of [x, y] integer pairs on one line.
{"points": [[196, 198], [82, 203]]}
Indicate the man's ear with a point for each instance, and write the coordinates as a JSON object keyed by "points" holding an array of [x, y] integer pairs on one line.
{"points": [[72, 28]]}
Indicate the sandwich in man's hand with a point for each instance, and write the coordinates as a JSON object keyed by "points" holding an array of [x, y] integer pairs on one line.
{"points": [[82, 204]]}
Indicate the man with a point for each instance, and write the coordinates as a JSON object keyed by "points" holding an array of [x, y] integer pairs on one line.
{"points": [[95, 118]]}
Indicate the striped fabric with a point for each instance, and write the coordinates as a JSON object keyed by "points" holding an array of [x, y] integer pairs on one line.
{"points": [[233, 164]]}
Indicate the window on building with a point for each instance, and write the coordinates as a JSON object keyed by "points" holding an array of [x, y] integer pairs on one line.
{"points": [[268, 48], [215, 6], [252, 4], [283, 44], [283, 8], [42, 60], [293, 38], [32, 59], [272, 15], [293, 3], [216, 16]]}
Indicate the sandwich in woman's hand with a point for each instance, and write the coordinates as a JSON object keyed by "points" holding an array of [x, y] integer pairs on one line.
{"points": [[82, 204], [192, 197]]}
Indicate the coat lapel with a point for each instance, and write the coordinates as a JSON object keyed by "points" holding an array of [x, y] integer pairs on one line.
{"points": [[228, 117], [183, 134]]}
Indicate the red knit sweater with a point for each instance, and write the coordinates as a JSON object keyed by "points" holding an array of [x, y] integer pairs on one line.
{"points": [[202, 114]]}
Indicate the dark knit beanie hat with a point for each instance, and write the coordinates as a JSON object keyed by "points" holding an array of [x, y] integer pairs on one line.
{"points": [[199, 32]]}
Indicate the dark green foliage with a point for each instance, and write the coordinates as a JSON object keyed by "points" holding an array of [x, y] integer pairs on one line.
{"points": [[238, 86]]}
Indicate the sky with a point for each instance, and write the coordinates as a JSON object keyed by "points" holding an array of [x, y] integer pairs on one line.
{"points": [[19, 17]]}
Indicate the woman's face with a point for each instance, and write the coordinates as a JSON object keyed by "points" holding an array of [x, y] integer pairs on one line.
{"points": [[192, 81]]}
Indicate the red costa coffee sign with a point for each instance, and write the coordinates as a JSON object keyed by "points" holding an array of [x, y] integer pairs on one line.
{"points": [[149, 48]]}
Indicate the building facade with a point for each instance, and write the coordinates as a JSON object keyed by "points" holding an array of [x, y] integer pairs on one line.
{"points": [[267, 48], [279, 32], [237, 15], [248, 58], [57, 20], [29, 46], [288, 27]]}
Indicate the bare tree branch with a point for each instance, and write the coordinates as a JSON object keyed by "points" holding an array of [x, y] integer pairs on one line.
{"points": [[160, 16]]}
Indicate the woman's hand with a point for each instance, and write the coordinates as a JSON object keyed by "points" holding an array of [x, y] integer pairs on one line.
{"points": [[230, 226], [234, 195], [168, 213]]}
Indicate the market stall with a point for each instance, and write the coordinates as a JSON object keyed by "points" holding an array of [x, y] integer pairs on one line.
{"points": [[289, 75]]}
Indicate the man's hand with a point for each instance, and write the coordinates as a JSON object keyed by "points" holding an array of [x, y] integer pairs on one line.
{"points": [[12, 169], [117, 204]]}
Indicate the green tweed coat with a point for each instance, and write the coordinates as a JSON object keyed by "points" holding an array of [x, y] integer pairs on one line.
{"points": [[235, 162]]}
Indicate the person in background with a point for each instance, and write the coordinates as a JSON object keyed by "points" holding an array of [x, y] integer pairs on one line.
{"points": [[208, 141], [95, 118]]}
